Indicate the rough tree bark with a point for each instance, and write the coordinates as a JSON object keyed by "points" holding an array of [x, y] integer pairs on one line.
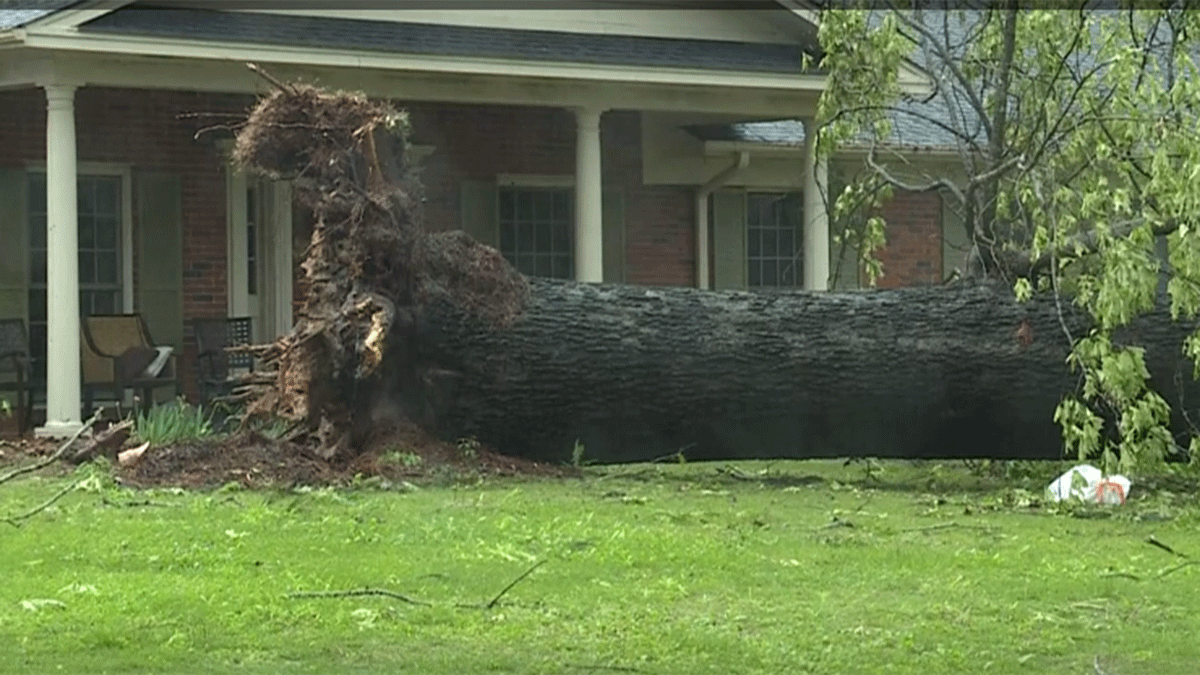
{"points": [[638, 373], [440, 329]]}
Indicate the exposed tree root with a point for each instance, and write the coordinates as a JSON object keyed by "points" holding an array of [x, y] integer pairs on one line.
{"points": [[370, 267]]}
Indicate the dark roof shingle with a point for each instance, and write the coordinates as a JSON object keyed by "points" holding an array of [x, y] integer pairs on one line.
{"points": [[446, 40]]}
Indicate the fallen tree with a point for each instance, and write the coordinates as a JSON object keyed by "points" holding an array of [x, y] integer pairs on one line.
{"points": [[439, 329], [637, 373]]}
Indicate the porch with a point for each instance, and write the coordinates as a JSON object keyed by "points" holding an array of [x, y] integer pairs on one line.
{"points": [[142, 214]]}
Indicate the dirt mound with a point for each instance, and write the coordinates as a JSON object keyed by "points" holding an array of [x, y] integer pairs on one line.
{"points": [[399, 451]]}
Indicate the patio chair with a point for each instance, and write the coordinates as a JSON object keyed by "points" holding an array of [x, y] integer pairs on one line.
{"points": [[16, 370], [215, 365], [119, 354]]}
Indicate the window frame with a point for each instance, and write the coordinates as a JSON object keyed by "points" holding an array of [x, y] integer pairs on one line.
{"points": [[776, 259], [538, 184], [125, 261]]}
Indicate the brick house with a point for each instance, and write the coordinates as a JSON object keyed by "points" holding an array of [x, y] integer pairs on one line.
{"points": [[609, 144]]}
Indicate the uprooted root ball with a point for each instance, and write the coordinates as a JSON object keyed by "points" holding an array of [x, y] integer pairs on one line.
{"points": [[370, 266]]}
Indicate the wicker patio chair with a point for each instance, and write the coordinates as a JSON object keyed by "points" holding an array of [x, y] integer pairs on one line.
{"points": [[119, 354]]}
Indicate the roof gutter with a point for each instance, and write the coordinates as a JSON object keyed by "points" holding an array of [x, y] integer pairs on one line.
{"points": [[702, 258], [12, 36]]}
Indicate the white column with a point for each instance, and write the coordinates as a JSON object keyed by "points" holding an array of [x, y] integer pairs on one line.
{"points": [[62, 266], [816, 214], [589, 193]]}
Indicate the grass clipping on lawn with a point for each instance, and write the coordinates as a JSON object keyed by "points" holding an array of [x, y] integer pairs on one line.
{"points": [[370, 267]]}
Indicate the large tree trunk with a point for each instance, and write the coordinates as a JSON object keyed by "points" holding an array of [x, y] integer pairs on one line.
{"points": [[639, 373]]}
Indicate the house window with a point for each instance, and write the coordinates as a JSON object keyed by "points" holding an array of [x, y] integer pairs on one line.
{"points": [[254, 219], [100, 288], [773, 224], [536, 230]]}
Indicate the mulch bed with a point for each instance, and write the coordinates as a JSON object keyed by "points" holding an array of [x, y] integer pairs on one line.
{"points": [[252, 460]]}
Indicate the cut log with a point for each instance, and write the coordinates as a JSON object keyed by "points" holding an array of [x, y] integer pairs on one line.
{"points": [[638, 373]]}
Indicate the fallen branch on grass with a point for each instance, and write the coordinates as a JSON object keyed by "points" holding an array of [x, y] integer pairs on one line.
{"points": [[62, 449], [514, 583], [383, 592], [15, 521], [1169, 570], [617, 669], [360, 593], [947, 526], [107, 443]]}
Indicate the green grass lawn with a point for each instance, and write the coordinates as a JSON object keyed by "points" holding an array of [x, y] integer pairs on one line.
{"points": [[783, 567]]}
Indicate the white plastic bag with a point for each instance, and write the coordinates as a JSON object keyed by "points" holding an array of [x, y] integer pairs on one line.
{"points": [[1092, 485]]}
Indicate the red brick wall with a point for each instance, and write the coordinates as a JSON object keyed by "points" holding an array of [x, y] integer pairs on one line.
{"points": [[480, 142], [913, 255]]}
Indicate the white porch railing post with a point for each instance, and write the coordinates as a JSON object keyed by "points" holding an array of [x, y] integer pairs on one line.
{"points": [[589, 198], [62, 266], [816, 214]]}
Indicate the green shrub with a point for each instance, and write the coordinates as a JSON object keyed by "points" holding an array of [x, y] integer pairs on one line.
{"points": [[175, 422]]}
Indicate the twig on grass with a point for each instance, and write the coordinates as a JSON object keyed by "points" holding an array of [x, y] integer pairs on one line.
{"points": [[1169, 570], [1172, 570], [62, 449], [599, 666], [947, 526], [1158, 544], [15, 521], [358, 593], [514, 582]]}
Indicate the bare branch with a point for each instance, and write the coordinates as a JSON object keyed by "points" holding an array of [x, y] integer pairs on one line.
{"points": [[62, 449], [939, 184]]}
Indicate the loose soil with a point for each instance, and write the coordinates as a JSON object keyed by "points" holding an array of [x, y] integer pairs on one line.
{"points": [[398, 451]]}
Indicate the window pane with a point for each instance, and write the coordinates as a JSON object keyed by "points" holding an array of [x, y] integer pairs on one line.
{"points": [[543, 206], [524, 205], [106, 268], [754, 274], [525, 264], [543, 267], [562, 205], [508, 237], [87, 231], [37, 305], [542, 237], [787, 276], [506, 206], [251, 204], [562, 236], [104, 302], [108, 197], [525, 236], [753, 242], [769, 246], [787, 241], [252, 277], [560, 267], [87, 267], [37, 193], [770, 276], [37, 267], [85, 196], [37, 230], [106, 232]]}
